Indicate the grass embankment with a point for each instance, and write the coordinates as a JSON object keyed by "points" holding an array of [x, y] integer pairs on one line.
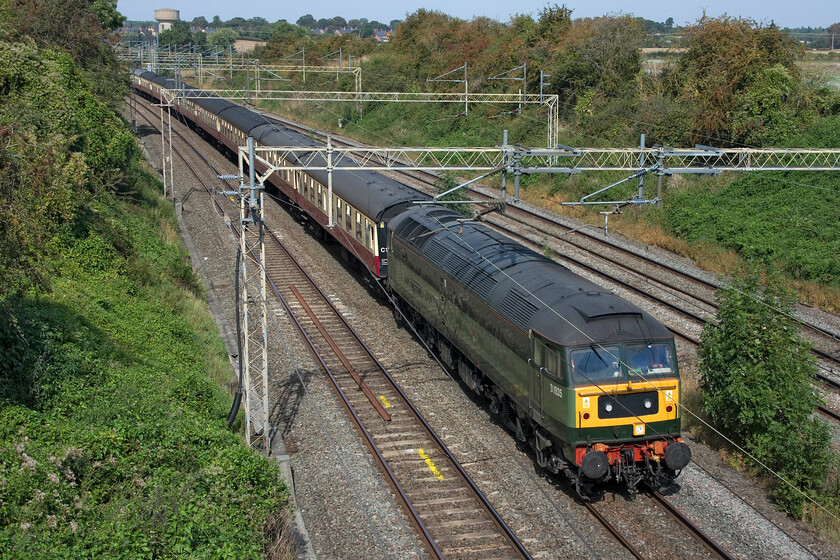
{"points": [[113, 439]]}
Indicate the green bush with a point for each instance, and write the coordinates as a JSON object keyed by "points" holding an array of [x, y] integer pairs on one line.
{"points": [[756, 380]]}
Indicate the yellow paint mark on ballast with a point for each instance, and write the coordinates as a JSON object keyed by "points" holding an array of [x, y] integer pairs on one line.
{"points": [[385, 402], [431, 464]]}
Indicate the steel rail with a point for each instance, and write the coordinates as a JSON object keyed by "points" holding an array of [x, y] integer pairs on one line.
{"points": [[380, 459], [701, 537], [614, 532], [340, 355], [661, 301], [428, 428], [713, 285]]}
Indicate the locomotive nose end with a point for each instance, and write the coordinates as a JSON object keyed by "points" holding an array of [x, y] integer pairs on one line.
{"points": [[595, 464], [677, 456]]}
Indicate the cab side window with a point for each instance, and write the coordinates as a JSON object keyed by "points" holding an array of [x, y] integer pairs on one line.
{"points": [[539, 353]]}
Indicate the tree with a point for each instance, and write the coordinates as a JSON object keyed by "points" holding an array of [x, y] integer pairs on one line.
{"points": [[199, 39], [284, 28], [337, 22], [106, 10], [179, 34], [306, 21], [200, 21], [554, 20], [756, 377], [724, 56], [58, 146], [72, 26], [669, 23], [595, 64], [223, 38]]}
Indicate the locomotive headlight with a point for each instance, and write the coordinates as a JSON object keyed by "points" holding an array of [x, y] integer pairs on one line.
{"points": [[608, 407], [648, 404]]}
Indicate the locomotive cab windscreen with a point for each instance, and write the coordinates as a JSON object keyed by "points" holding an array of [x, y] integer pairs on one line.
{"points": [[611, 363]]}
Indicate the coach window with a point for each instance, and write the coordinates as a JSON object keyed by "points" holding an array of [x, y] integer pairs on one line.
{"points": [[320, 197], [368, 234], [358, 226], [348, 218]]}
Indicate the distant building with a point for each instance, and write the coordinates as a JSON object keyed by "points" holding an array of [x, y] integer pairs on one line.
{"points": [[166, 17]]}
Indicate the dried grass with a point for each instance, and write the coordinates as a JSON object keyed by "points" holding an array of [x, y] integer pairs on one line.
{"points": [[279, 536]]}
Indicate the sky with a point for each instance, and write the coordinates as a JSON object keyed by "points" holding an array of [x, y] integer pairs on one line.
{"points": [[805, 13]]}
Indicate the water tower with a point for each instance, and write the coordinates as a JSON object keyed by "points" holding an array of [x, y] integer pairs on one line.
{"points": [[165, 18]]}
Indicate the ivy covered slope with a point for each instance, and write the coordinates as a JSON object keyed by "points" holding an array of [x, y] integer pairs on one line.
{"points": [[113, 439]]}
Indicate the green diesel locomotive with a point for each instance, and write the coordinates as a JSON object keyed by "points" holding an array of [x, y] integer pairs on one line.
{"points": [[589, 380]]}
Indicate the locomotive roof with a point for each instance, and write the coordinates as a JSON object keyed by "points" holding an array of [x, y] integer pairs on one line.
{"points": [[528, 289]]}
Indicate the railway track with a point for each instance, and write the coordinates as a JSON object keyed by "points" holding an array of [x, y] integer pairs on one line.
{"points": [[447, 508], [641, 534], [451, 515]]}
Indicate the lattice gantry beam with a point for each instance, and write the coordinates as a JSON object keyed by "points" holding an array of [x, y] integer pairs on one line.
{"points": [[551, 102], [373, 96], [662, 161]]}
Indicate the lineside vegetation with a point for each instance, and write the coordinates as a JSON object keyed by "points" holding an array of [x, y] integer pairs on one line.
{"points": [[113, 439], [757, 382]]}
